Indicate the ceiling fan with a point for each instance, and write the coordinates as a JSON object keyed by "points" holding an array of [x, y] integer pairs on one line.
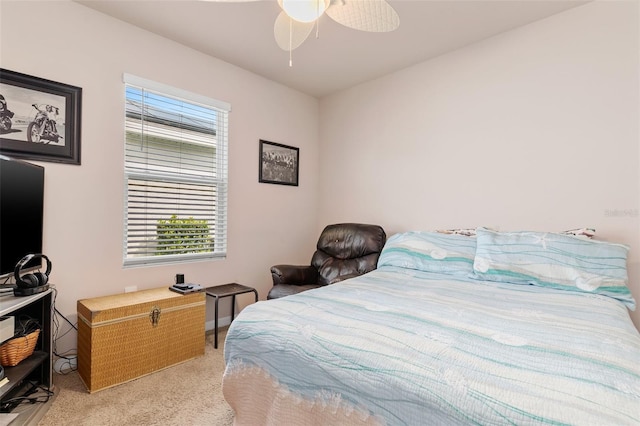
{"points": [[298, 17]]}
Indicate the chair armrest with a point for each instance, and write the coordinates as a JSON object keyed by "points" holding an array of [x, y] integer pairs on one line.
{"points": [[293, 274]]}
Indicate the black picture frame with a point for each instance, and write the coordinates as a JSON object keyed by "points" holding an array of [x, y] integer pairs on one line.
{"points": [[279, 164], [39, 118]]}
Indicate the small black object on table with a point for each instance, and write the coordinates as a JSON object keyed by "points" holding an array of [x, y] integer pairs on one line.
{"points": [[226, 290]]}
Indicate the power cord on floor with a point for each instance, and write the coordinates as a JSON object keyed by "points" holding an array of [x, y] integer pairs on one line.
{"points": [[29, 397], [68, 361]]}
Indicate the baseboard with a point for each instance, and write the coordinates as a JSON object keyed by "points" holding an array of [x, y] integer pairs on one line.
{"points": [[222, 322]]}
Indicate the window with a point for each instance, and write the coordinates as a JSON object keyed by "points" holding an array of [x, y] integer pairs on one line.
{"points": [[175, 174]]}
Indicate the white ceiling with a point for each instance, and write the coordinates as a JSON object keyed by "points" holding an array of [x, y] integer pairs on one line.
{"points": [[241, 33]]}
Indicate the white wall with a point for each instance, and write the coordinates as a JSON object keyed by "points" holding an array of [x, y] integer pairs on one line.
{"points": [[535, 129], [268, 224]]}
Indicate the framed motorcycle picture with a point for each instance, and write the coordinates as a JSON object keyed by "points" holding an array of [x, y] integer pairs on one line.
{"points": [[39, 119]]}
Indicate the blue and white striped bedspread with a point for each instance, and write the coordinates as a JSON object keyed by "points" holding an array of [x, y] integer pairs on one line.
{"points": [[415, 348]]}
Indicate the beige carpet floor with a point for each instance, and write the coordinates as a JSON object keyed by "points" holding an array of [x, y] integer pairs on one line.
{"points": [[186, 394]]}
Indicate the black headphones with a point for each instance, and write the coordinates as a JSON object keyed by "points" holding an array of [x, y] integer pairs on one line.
{"points": [[36, 279]]}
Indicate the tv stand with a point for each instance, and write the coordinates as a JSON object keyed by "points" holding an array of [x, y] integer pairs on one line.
{"points": [[37, 367]]}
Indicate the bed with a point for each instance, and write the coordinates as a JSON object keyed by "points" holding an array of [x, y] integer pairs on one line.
{"points": [[501, 328]]}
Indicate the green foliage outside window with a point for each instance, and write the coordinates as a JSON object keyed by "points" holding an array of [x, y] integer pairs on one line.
{"points": [[183, 235]]}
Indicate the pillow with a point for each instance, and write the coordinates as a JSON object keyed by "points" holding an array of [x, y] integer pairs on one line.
{"points": [[471, 232], [581, 232], [430, 252], [467, 232], [553, 260]]}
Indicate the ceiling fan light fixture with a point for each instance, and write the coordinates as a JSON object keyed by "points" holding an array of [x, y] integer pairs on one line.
{"points": [[304, 10]]}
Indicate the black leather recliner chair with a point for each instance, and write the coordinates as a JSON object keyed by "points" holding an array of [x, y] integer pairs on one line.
{"points": [[344, 250]]}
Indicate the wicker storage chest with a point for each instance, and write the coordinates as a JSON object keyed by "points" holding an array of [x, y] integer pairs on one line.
{"points": [[129, 335]]}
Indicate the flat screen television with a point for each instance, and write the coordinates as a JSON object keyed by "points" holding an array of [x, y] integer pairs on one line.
{"points": [[21, 213]]}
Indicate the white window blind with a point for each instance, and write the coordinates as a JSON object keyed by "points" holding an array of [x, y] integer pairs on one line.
{"points": [[175, 174]]}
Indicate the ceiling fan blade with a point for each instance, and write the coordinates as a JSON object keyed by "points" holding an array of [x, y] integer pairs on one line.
{"points": [[365, 15], [289, 33]]}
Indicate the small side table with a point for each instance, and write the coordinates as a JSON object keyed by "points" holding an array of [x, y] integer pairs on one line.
{"points": [[226, 290]]}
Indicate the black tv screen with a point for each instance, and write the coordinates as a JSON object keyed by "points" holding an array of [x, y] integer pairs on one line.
{"points": [[21, 212]]}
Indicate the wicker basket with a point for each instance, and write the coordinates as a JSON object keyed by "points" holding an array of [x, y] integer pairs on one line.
{"points": [[17, 349]]}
